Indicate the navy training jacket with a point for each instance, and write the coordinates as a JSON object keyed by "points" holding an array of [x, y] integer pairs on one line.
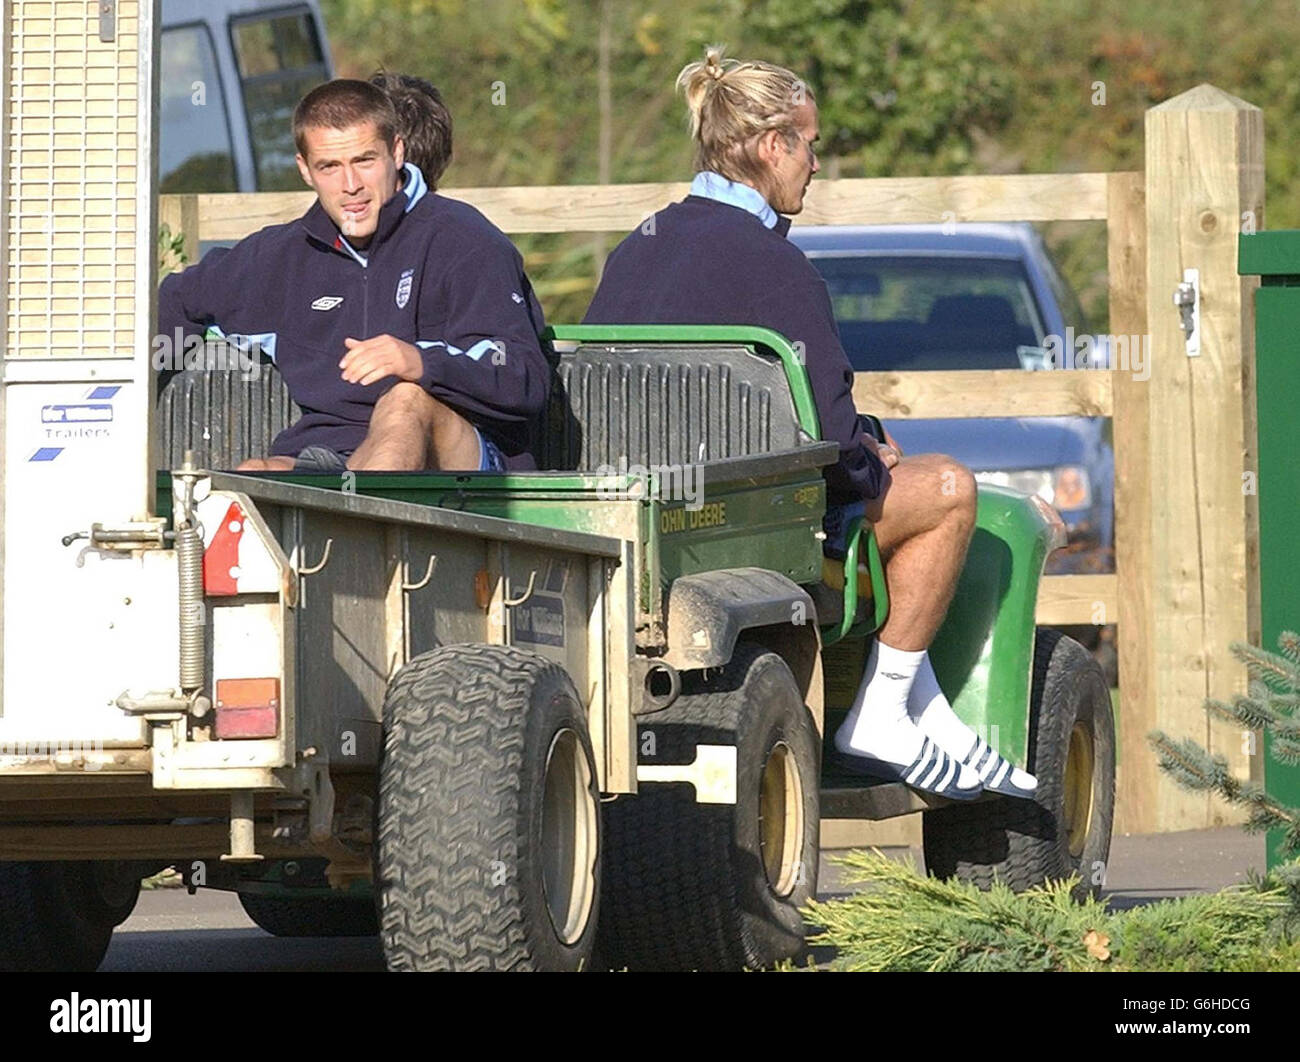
{"points": [[706, 262], [436, 274]]}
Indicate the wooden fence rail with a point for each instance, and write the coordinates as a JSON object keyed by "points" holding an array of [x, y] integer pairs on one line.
{"points": [[1186, 582]]}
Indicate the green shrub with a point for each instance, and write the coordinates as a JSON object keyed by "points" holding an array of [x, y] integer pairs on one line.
{"points": [[904, 921]]}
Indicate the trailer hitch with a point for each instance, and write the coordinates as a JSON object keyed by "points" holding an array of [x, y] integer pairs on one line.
{"points": [[164, 704]]}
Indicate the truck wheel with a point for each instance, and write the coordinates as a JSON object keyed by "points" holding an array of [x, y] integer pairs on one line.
{"points": [[1066, 829], [489, 815], [692, 886], [59, 917], [312, 916]]}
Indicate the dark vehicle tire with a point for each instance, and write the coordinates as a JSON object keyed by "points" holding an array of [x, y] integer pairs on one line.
{"points": [[59, 917], [1066, 829], [489, 815], [1100, 642], [312, 916], [692, 886]]}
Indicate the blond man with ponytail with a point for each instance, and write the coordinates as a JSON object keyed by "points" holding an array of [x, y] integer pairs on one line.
{"points": [[721, 256]]}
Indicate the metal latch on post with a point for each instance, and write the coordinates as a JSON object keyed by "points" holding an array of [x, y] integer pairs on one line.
{"points": [[107, 21], [1187, 297]]}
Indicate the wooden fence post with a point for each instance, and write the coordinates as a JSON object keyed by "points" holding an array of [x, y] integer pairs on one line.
{"points": [[1126, 255], [1204, 179]]}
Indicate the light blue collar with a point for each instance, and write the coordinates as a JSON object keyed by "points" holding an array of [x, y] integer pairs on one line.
{"points": [[414, 188], [711, 185]]}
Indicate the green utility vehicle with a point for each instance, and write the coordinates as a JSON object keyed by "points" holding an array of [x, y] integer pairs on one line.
{"points": [[560, 718], [554, 720]]}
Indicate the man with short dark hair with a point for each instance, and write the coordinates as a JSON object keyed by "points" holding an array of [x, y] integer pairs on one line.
{"points": [[423, 122], [401, 321]]}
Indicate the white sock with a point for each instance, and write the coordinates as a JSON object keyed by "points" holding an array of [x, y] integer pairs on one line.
{"points": [[878, 724], [929, 709]]}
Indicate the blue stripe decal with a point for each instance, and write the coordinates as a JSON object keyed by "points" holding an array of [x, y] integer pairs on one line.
{"points": [[104, 392], [265, 340], [46, 453], [474, 353]]}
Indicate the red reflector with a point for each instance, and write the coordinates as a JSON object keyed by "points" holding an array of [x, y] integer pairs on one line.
{"points": [[221, 558], [248, 708]]}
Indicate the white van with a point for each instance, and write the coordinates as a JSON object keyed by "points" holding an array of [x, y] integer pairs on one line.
{"points": [[230, 75]]}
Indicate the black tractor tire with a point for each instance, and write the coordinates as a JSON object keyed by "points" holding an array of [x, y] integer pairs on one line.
{"points": [[489, 815], [1066, 828], [692, 886], [58, 917], [312, 916]]}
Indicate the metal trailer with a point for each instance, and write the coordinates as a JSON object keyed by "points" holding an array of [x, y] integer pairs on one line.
{"points": [[506, 721]]}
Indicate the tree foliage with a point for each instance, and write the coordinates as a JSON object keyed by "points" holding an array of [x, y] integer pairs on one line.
{"points": [[1268, 707], [906, 87], [901, 87]]}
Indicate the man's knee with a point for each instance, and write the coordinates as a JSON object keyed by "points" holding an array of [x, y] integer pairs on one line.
{"points": [[407, 398], [957, 482], [943, 481], [408, 402], [958, 488]]}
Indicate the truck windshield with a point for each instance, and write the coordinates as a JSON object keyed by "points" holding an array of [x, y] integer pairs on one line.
{"points": [[940, 312], [280, 60], [194, 147]]}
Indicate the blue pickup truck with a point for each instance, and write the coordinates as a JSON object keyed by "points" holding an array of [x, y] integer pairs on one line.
{"points": [[987, 296]]}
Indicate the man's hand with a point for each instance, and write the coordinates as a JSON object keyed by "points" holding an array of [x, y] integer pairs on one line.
{"points": [[887, 452], [890, 451], [371, 360]]}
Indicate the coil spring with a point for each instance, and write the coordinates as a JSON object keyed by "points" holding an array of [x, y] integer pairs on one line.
{"points": [[189, 554]]}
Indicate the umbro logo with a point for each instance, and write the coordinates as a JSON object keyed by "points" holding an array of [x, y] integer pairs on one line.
{"points": [[327, 302]]}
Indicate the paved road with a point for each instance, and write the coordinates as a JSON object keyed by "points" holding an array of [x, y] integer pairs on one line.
{"points": [[172, 931]]}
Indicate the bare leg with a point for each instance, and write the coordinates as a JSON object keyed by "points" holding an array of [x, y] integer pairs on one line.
{"points": [[410, 430], [266, 464], [923, 526]]}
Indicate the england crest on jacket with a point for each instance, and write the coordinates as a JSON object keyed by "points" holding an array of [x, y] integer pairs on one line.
{"points": [[404, 287]]}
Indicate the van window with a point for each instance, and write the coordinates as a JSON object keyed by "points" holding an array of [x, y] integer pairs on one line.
{"points": [[279, 59], [194, 150]]}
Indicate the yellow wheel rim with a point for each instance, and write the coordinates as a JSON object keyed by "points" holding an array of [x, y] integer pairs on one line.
{"points": [[1078, 788], [569, 837], [781, 825]]}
